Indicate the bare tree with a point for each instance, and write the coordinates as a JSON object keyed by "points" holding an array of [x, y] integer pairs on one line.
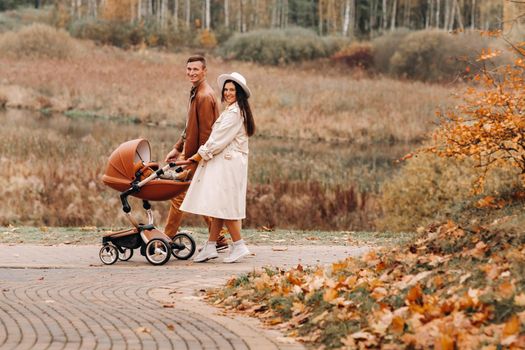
{"points": [[175, 14], [226, 13], [384, 19], [207, 14], [473, 14], [188, 13], [349, 18], [459, 16], [394, 14], [438, 13], [407, 13]]}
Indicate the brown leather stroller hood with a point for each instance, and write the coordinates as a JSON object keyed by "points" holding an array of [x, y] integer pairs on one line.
{"points": [[120, 172]]}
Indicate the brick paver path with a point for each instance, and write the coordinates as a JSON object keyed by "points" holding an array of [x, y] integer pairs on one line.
{"points": [[62, 297]]}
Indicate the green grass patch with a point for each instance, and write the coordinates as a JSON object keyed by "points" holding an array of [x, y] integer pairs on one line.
{"points": [[93, 235]]}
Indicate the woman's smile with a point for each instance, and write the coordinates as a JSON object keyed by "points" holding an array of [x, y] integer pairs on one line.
{"points": [[229, 93]]}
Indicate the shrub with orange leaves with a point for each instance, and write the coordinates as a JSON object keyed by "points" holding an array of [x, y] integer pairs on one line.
{"points": [[489, 125]]}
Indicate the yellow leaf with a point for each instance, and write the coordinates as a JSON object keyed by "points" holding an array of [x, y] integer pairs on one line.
{"points": [[506, 290], [512, 326], [520, 299], [330, 294], [445, 342], [414, 294], [398, 325]]}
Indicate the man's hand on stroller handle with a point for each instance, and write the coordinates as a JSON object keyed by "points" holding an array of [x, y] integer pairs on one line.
{"points": [[172, 156]]}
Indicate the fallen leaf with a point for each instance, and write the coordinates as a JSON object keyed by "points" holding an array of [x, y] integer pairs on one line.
{"points": [[330, 294], [520, 299], [285, 340], [168, 306], [398, 325], [171, 327], [506, 290], [143, 330], [279, 248], [512, 326]]}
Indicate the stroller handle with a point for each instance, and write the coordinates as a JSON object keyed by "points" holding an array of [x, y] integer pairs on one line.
{"points": [[180, 162]]}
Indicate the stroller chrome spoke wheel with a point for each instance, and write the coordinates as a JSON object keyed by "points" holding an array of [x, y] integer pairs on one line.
{"points": [[108, 254], [183, 246], [124, 254], [157, 252]]}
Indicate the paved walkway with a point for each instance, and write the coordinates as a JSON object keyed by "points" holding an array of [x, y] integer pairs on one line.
{"points": [[63, 297]]}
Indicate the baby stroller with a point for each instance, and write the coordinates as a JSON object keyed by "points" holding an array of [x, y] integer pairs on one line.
{"points": [[131, 172]]}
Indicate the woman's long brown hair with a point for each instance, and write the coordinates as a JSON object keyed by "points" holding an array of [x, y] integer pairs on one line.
{"points": [[244, 105]]}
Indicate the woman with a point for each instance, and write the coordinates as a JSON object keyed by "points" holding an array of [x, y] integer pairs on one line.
{"points": [[218, 189]]}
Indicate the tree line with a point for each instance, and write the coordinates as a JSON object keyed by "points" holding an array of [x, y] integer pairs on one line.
{"points": [[327, 17]]}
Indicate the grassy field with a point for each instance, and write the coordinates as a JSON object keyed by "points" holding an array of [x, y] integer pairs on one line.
{"points": [[327, 138], [297, 102]]}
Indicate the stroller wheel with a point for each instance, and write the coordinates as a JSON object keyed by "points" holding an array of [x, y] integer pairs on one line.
{"points": [[124, 254], [108, 254], [183, 246], [158, 252]]}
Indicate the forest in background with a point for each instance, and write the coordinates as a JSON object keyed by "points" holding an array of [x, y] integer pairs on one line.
{"points": [[360, 18]]}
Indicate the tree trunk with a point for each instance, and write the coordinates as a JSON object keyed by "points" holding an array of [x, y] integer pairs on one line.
{"points": [[384, 21], [226, 14], [459, 16], [437, 21], [175, 14], [321, 17], [394, 13], [408, 9], [188, 13], [371, 15], [284, 13], [473, 15], [348, 24], [447, 14], [427, 15], [239, 16], [208, 15]]}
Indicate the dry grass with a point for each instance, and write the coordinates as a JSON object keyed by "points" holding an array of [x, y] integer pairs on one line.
{"points": [[52, 168], [38, 41], [289, 102], [52, 165]]}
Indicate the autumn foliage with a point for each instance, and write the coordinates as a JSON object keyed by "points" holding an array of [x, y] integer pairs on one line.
{"points": [[452, 288], [489, 125]]}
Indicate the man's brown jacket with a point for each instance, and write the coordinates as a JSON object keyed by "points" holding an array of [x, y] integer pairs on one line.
{"points": [[202, 113]]}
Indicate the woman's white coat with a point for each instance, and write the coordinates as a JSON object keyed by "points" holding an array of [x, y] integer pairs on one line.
{"points": [[218, 188]]}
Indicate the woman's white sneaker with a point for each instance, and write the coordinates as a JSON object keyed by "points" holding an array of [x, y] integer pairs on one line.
{"points": [[238, 251], [208, 252]]}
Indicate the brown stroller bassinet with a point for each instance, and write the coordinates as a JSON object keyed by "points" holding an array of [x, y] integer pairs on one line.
{"points": [[131, 172]]}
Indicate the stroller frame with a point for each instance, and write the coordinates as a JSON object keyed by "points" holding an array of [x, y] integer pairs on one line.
{"points": [[156, 246]]}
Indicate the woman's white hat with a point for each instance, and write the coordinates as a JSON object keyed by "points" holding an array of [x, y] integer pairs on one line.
{"points": [[236, 77]]}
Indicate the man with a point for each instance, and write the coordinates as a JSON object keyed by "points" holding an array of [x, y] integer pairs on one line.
{"points": [[203, 110]]}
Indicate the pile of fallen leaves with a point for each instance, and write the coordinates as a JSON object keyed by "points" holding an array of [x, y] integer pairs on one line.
{"points": [[451, 288]]}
